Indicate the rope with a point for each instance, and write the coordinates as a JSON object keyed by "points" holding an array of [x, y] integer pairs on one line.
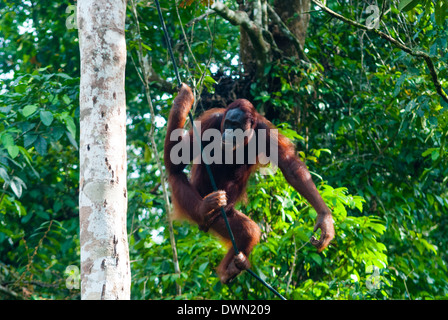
{"points": [[209, 172]]}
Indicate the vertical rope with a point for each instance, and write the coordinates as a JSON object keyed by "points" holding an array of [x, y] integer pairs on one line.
{"points": [[168, 43]]}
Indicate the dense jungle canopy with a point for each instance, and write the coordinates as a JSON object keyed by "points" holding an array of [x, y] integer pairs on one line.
{"points": [[358, 86]]}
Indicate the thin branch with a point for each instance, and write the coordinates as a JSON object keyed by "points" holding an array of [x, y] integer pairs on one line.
{"points": [[30, 259], [11, 293], [294, 261], [197, 19], [156, 81], [395, 42], [293, 265]]}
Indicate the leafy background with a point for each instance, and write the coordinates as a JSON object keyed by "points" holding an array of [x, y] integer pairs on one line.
{"points": [[373, 135]]}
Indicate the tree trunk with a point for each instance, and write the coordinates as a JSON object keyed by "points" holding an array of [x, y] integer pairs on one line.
{"points": [[257, 13], [105, 269], [267, 35], [293, 14]]}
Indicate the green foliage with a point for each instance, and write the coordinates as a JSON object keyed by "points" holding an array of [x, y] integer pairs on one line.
{"points": [[38, 235], [439, 7], [364, 115], [286, 255]]}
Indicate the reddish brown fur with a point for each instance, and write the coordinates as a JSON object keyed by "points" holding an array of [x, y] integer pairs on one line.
{"points": [[195, 199]]}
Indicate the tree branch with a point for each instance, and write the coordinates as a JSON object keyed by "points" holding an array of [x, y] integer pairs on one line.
{"points": [[395, 42], [275, 17], [156, 81], [11, 293], [255, 32]]}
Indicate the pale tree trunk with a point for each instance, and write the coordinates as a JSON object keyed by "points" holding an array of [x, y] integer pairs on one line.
{"points": [[105, 269]]}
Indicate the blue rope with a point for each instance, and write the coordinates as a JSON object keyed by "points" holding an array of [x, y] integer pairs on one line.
{"points": [[209, 171]]}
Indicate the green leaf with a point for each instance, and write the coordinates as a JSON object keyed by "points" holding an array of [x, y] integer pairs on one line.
{"points": [[316, 258], [440, 12], [41, 145], [406, 5], [21, 88], [42, 214], [28, 139], [312, 213], [428, 246], [46, 117], [56, 132], [439, 15], [66, 99], [16, 186], [7, 140], [63, 75], [146, 47], [72, 140], [435, 155], [301, 235], [210, 80], [428, 152], [399, 83], [29, 110], [203, 266], [4, 174], [433, 121], [71, 127], [13, 151], [27, 217]]}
